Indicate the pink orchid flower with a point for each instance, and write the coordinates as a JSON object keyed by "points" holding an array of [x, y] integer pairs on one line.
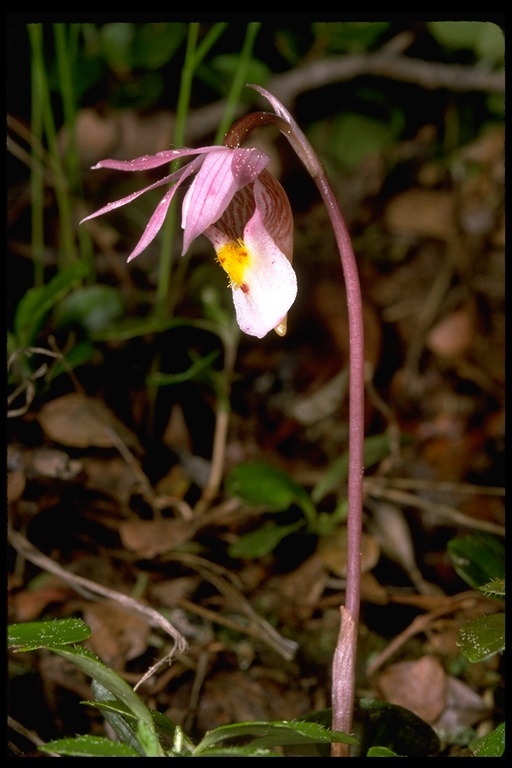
{"points": [[245, 213]]}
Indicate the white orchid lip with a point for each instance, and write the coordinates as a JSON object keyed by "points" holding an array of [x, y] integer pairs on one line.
{"points": [[245, 213], [262, 280], [270, 286]]}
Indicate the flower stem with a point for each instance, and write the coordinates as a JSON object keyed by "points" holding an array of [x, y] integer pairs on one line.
{"points": [[230, 338], [67, 244], [169, 228], [36, 176], [194, 54], [343, 682], [233, 98], [344, 662], [66, 57]]}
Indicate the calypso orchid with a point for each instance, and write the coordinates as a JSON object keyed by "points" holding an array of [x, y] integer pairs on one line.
{"points": [[245, 213]]}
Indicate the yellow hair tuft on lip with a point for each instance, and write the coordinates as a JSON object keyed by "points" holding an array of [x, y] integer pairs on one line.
{"points": [[235, 260]]}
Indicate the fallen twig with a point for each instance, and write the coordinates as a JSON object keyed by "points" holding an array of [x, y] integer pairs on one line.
{"points": [[88, 588]]}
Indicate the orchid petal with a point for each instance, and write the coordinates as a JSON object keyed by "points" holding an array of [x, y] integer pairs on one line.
{"points": [[154, 224], [125, 200], [247, 164], [220, 177], [176, 177], [158, 217], [148, 162], [272, 202]]}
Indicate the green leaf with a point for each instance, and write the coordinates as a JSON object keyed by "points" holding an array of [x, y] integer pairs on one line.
{"points": [[79, 354], [491, 745], [328, 522], [94, 668], [88, 69], [351, 136], [483, 637], [484, 38], [196, 369], [494, 587], [381, 724], [147, 326], [263, 540], [116, 43], [477, 558], [124, 721], [35, 305], [170, 730], [156, 43], [375, 449], [382, 752], [89, 746], [120, 719], [243, 751], [277, 733], [260, 484], [298, 732], [148, 739], [46, 634], [353, 36], [397, 728], [224, 67], [94, 307], [490, 44]]}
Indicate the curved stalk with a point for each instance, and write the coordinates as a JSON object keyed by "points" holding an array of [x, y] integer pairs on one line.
{"points": [[344, 662]]}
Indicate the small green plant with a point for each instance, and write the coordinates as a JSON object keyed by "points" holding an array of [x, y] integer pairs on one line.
{"points": [[383, 729], [480, 561], [272, 491], [142, 732]]}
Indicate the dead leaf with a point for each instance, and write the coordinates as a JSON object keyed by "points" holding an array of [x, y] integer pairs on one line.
{"points": [[94, 135], [488, 148], [464, 707], [235, 696], [16, 482], [149, 538], [174, 484], [372, 591], [117, 635], [81, 422], [171, 591], [390, 528], [422, 212], [332, 551], [296, 594], [29, 604], [332, 311], [416, 685], [453, 335], [16, 479], [52, 463], [109, 475], [15, 485]]}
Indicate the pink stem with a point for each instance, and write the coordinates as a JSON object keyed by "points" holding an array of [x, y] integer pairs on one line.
{"points": [[344, 661], [356, 395]]}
